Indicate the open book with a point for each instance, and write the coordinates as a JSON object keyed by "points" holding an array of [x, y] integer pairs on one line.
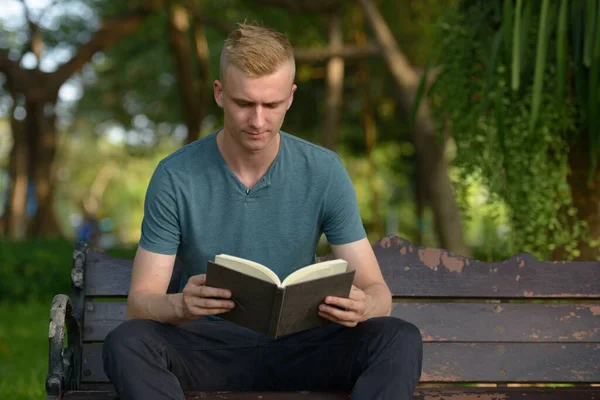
{"points": [[266, 304]]}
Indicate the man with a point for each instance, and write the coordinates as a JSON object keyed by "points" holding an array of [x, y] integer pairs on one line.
{"points": [[253, 191]]}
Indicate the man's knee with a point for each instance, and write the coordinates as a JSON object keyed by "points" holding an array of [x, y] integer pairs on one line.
{"points": [[127, 337], [396, 334]]}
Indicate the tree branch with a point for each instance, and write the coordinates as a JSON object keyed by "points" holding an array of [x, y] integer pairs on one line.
{"points": [[310, 6], [36, 42], [110, 33], [346, 52], [18, 80], [221, 26], [430, 152]]}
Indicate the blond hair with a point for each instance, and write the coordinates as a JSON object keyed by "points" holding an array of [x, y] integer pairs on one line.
{"points": [[256, 50]]}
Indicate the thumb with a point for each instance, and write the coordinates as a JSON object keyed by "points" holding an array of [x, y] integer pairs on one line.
{"points": [[198, 280]]}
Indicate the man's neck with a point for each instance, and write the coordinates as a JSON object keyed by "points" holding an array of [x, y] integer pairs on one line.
{"points": [[248, 166]]}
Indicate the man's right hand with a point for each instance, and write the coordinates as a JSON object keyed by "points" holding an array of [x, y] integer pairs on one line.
{"points": [[200, 300]]}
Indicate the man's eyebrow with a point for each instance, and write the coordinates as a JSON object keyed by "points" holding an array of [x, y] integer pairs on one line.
{"points": [[243, 100]]}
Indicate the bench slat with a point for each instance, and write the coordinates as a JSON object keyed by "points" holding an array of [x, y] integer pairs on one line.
{"points": [[105, 275], [420, 394], [462, 322], [468, 362], [412, 271], [222, 396], [502, 322]]}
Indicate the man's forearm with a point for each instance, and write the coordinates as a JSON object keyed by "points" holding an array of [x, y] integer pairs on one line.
{"points": [[155, 306], [379, 300]]}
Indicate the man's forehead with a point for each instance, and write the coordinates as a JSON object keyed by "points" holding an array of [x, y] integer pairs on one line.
{"points": [[284, 73], [268, 89]]}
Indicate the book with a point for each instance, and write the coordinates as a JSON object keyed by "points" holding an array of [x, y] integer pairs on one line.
{"points": [[268, 305]]}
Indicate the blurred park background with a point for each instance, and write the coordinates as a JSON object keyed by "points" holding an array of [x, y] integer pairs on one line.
{"points": [[469, 125]]}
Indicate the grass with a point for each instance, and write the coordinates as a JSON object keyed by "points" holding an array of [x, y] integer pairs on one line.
{"points": [[23, 350]]}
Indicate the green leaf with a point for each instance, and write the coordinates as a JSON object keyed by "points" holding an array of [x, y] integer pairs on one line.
{"points": [[590, 13], [594, 104], [507, 27], [524, 34], [540, 64], [561, 50], [492, 60], [577, 24], [517, 42], [579, 73]]}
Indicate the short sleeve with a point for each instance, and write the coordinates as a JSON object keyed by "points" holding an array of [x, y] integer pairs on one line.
{"points": [[160, 225], [342, 222]]}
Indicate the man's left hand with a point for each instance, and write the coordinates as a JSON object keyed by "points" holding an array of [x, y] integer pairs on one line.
{"points": [[345, 311]]}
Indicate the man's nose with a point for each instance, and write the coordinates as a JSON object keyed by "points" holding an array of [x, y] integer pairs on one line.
{"points": [[257, 117]]}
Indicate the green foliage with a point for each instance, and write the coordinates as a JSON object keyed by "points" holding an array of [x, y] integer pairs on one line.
{"points": [[488, 100], [35, 269], [38, 269]]}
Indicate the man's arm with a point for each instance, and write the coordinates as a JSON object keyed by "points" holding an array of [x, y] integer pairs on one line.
{"points": [[148, 299], [370, 297]]}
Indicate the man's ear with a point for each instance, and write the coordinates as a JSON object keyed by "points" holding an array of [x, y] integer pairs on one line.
{"points": [[291, 99], [218, 92]]}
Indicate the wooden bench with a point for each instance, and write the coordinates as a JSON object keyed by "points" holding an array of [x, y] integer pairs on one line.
{"points": [[520, 321]]}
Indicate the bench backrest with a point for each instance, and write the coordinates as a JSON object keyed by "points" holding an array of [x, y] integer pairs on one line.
{"points": [[515, 321]]}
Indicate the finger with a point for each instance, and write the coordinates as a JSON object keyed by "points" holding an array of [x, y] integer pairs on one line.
{"points": [[209, 291], [206, 291], [341, 315], [211, 303], [347, 304], [201, 312], [337, 320]]}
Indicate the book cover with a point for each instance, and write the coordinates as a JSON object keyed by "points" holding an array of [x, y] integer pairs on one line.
{"points": [[273, 310]]}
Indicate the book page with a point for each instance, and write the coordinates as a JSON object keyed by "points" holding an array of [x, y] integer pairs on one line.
{"points": [[316, 271], [247, 267]]}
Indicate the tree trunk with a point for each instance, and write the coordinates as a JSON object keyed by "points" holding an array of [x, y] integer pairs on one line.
{"points": [[16, 220], [586, 198], [427, 145], [203, 86], [179, 31], [42, 136], [369, 126], [334, 84]]}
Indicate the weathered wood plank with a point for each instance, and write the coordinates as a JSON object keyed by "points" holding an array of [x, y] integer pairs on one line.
{"points": [[109, 276], [505, 394], [469, 362], [222, 396], [412, 271], [105, 275], [502, 322], [511, 362], [418, 272], [101, 318], [420, 394], [454, 322]]}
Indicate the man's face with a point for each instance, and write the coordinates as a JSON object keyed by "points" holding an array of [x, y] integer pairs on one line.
{"points": [[254, 107]]}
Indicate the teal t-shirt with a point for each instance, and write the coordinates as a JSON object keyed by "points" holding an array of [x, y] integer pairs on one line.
{"points": [[196, 207]]}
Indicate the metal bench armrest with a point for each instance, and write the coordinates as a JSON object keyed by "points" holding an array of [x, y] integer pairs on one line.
{"points": [[64, 363]]}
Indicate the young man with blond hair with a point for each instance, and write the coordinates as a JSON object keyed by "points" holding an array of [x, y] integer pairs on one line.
{"points": [[256, 192]]}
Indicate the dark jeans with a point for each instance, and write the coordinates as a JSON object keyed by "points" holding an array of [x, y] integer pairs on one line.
{"points": [[378, 359]]}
